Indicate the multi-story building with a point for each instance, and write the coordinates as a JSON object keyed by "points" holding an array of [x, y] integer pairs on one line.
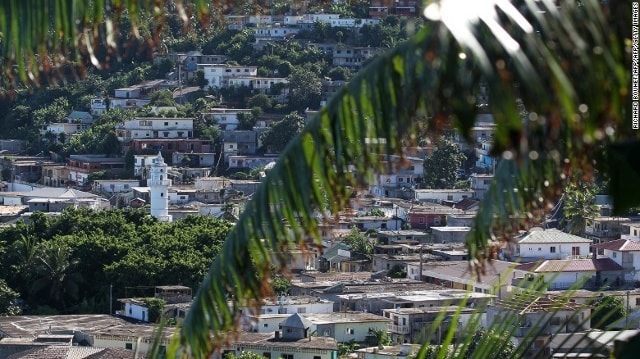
{"points": [[225, 118], [402, 176], [155, 127], [218, 75], [81, 166], [352, 57]]}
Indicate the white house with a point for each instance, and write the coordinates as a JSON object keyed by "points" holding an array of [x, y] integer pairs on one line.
{"points": [[226, 118], [155, 127], [632, 231], [292, 304], [624, 252], [449, 234], [480, 183], [568, 273], [441, 195], [217, 75], [399, 176], [114, 186], [551, 244]]}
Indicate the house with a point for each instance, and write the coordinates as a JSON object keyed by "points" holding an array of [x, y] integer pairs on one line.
{"points": [[292, 304], [449, 234], [89, 331], [552, 243], [399, 178], [404, 351], [343, 326], [631, 230], [155, 127], [235, 143], [429, 215], [377, 303], [252, 162], [138, 308], [168, 145], [480, 183], [54, 175], [625, 253], [403, 236], [537, 318], [569, 273], [294, 341], [183, 159], [114, 186], [81, 166], [225, 118], [459, 275], [417, 325], [49, 199], [606, 228], [352, 57], [450, 196], [218, 75]]}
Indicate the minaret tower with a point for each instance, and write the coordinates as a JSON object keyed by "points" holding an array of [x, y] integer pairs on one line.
{"points": [[159, 185]]}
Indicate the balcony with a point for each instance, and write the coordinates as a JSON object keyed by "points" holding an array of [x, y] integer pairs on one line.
{"points": [[398, 329]]}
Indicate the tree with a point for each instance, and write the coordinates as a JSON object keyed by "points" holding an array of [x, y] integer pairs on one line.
{"points": [[359, 243], [161, 98], [58, 277], [485, 343], [380, 337], [556, 60], [578, 207], [397, 271], [305, 87], [440, 168], [8, 300], [607, 309], [281, 132], [260, 100]]}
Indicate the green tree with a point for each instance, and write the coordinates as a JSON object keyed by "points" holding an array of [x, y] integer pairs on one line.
{"points": [[260, 100], [360, 244], [305, 87], [156, 307], [440, 168], [380, 337], [244, 355], [607, 309], [397, 271], [281, 132], [8, 300], [161, 98], [58, 278], [578, 206], [490, 343]]}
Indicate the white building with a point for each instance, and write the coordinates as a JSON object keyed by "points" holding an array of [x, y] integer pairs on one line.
{"points": [[218, 75], [441, 195], [551, 244], [159, 187], [624, 252], [142, 165], [147, 128], [226, 118], [400, 176], [480, 183]]}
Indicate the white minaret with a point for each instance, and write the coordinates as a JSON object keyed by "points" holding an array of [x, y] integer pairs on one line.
{"points": [[159, 185]]}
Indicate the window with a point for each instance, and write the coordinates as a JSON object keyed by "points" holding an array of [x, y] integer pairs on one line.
{"points": [[637, 302], [539, 249], [128, 346], [400, 179], [615, 254], [421, 219], [286, 356], [266, 325], [575, 251], [552, 249], [166, 123], [302, 310], [436, 221], [350, 331]]}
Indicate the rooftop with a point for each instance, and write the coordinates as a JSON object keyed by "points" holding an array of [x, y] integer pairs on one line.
{"points": [[527, 303], [620, 245], [571, 265], [268, 340], [551, 236]]}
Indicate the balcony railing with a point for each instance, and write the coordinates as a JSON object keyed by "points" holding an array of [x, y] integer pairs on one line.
{"points": [[399, 329]]}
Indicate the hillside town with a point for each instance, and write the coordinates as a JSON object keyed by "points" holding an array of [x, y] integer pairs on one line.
{"points": [[390, 273]]}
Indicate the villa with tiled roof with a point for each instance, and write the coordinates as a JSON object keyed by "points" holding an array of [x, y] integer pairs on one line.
{"points": [[564, 274], [540, 244], [626, 253]]}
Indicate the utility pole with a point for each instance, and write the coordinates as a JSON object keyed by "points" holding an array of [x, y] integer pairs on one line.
{"points": [[110, 299]]}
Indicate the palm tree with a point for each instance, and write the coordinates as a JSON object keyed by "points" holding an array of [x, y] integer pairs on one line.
{"points": [[579, 208], [55, 268], [558, 83]]}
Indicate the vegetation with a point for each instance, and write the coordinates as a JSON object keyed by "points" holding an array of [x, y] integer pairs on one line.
{"points": [[73, 259], [440, 168], [361, 245], [607, 309], [578, 207]]}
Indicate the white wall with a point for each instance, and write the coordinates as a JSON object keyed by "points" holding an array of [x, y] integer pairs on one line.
{"points": [[135, 311], [543, 250]]}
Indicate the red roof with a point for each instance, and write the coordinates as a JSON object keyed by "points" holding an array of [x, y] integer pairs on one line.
{"points": [[572, 265], [620, 245]]}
